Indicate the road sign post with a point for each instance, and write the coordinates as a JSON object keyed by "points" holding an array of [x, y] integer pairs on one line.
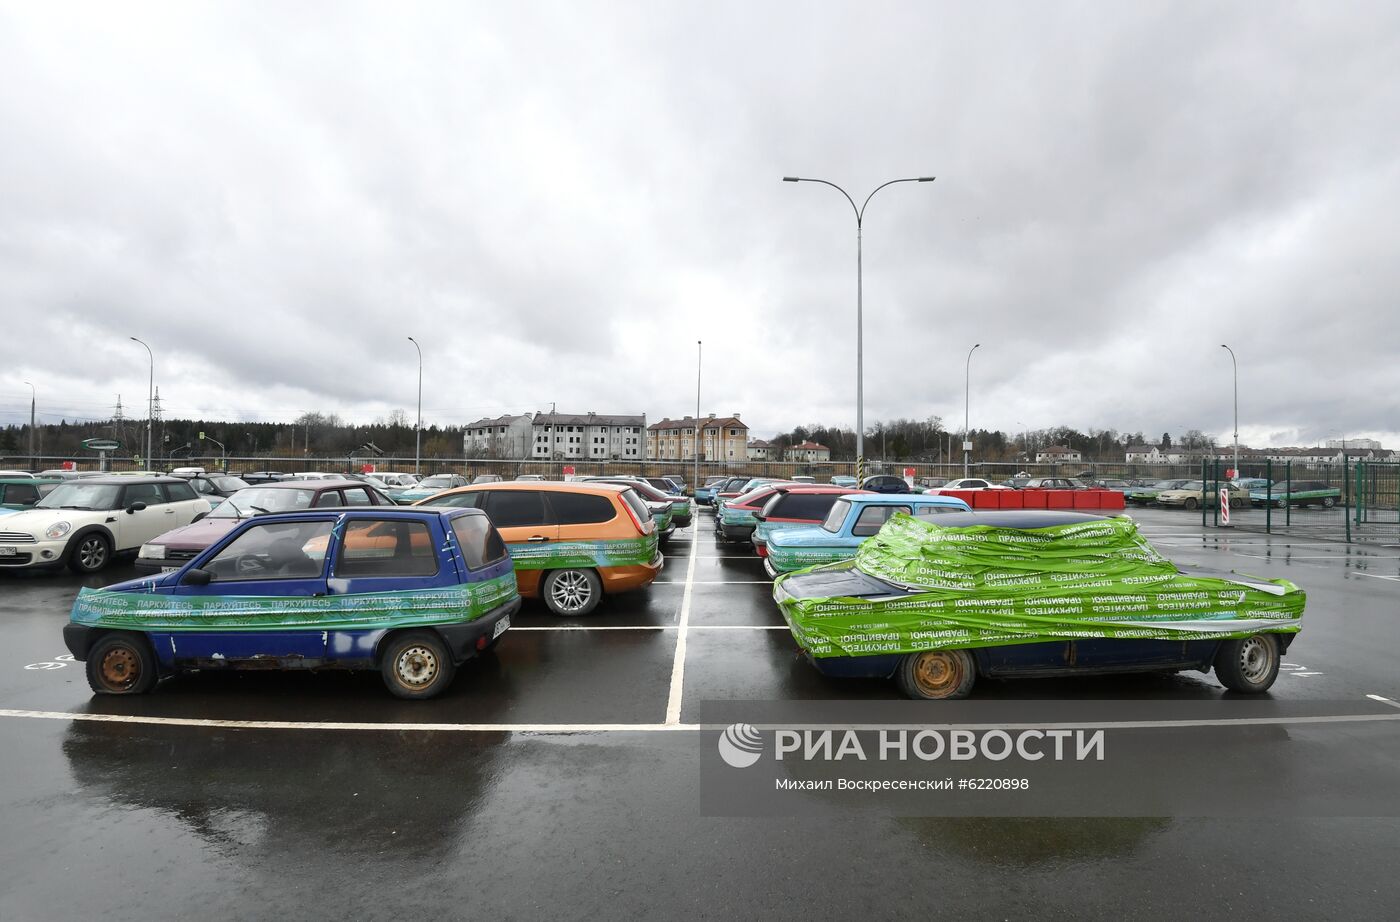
{"points": [[1224, 505]]}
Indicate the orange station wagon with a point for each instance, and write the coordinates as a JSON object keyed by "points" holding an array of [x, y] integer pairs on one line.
{"points": [[571, 542]]}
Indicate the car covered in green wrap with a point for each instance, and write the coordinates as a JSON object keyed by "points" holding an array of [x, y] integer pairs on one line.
{"points": [[935, 603]]}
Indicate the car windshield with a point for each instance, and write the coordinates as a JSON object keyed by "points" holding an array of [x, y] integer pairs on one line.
{"points": [[81, 496], [1192, 485], [437, 480], [836, 516], [261, 500]]}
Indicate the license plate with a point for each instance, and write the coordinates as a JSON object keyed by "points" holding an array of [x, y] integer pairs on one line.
{"points": [[8, 551], [168, 569], [500, 627]]}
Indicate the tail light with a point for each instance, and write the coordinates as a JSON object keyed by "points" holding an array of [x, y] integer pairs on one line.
{"points": [[632, 514]]}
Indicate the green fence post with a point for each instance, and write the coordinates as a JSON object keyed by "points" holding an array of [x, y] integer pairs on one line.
{"points": [[1269, 496], [1203, 490], [1346, 499], [1288, 494]]}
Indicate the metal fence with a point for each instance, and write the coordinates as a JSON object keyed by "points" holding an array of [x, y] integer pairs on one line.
{"points": [[1329, 501]]}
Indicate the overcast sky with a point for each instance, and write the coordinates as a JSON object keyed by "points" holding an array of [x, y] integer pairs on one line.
{"points": [[558, 200]]}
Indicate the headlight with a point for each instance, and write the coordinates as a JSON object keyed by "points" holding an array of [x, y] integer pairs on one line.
{"points": [[58, 530], [152, 551]]}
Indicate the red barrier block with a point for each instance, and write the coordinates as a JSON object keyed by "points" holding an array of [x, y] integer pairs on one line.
{"points": [[1088, 499], [985, 499], [1112, 500], [1009, 499], [1059, 499], [964, 495], [1033, 498]]}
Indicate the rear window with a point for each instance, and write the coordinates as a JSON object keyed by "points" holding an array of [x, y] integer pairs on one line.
{"points": [[809, 507], [872, 517], [634, 502], [581, 508], [753, 497], [21, 493], [456, 500], [386, 548], [481, 544], [180, 492], [925, 512], [836, 516], [516, 508]]}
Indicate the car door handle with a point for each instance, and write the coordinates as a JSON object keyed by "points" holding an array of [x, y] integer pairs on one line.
{"points": [[537, 538], [170, 512]]}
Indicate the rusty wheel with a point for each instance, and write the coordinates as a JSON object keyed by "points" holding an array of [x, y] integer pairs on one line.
{"points": [[937, 674], [121, 664], [416, 664]]}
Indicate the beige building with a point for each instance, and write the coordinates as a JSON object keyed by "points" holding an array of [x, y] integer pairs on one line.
{"points": [[808, 451], [596, 436], [722, 438], [1058, 453]]}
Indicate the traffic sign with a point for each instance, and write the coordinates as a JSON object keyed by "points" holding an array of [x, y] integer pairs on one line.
{"points": [[101, 444], [568, 471], [1224, 505]]}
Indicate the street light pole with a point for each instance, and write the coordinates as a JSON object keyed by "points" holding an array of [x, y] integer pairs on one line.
{"points": [[860, 306], [699, 360], [418, 428], [33, 402], [967, 403], [1236, 366], [150, 399]]}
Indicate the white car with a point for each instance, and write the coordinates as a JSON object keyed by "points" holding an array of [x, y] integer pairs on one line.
{"points": [[395, 478], [85, 523], [966, 483]]}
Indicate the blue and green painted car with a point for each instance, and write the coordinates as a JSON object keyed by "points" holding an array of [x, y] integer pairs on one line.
{"points": [[1297, 493], [410, 593]]}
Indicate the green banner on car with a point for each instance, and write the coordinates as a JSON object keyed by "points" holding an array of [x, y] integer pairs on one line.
{"points": [[984, 586]]}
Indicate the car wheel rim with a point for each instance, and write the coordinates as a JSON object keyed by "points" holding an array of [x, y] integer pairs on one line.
{"points": [[571, 591], [417, 666], [91, 553], [1255, 660], [937, 674], [121, 668]]}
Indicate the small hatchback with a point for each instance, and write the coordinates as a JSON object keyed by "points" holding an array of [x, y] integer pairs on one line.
{"points": [[572, 543], [412, 593]]}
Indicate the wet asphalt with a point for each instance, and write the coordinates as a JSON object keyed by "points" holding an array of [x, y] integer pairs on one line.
{"points": [[594, 819]]}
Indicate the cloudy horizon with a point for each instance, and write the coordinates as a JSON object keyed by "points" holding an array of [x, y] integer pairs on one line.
{"points": [[558, 201]]}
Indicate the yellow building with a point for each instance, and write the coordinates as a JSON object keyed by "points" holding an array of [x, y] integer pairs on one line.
{"points": [[722, 438]]}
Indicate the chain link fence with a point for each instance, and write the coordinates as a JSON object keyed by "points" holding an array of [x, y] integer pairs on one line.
{"points": [[1331, 501]]}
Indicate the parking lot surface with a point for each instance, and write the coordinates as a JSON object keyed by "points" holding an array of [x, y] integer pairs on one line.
{"points": [[559, 776]]}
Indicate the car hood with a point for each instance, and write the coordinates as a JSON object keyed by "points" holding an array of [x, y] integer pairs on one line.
{"points": [[36, 520], [196, 536], [803, 536]]}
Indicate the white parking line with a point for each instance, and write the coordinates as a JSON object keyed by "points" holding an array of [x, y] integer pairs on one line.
{"points": [[714, 582], [564, 628], [1393, 579], [673, 700], [543, 728]]}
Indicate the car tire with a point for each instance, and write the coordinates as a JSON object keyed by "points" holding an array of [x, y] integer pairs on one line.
{"points": [[571, 593], [416, 665], [936, 674], [89, 552], [1328, 502], [121, 664], [1191, 503], [1281, 503], [1248, 666]]}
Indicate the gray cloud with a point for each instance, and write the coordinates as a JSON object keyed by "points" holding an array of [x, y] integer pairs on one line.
{"points": [[559, 200]]}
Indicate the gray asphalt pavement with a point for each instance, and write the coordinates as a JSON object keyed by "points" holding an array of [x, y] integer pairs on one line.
{"points": [[562, 777]]}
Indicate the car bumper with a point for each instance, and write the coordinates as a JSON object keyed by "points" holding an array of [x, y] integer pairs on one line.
{"points": [[622, 579], [735, 532], [40, 554], [466, 640]]}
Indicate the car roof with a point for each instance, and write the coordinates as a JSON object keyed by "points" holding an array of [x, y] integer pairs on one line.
{"points": [[549, 486], [129, 479], [804, 488], [317, 484], [406, 513], [1013, 518], [932, 499]]}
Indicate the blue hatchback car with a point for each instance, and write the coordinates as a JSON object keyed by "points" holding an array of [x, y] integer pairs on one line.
{"points": [[412, 593]]}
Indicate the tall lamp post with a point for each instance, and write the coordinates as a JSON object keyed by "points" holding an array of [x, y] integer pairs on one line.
{"points": [[699, 360], [150, 399], [418, 427], [860, 307], [1236, 366], [33, 402], [967, 404]]}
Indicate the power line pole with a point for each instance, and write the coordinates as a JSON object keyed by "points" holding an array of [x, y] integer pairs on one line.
{"points": [[33, 403]]}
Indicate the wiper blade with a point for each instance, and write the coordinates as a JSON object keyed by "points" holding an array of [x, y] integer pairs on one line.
{"points": [[259, 509]]}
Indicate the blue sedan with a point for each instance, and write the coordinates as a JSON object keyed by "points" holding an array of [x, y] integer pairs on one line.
{"points": [[852, 519]]}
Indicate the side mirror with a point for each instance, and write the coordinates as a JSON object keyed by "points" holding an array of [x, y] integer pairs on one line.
{"points": [[197, 577], [135, 507], [198, 517]]}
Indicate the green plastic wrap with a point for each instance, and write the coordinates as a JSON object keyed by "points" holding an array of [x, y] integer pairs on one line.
{"points": [[555, 555], [985, 586], [358, 611]]}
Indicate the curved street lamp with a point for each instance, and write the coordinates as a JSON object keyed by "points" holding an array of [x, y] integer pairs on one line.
{"points": [[150, 399], [418, 427], [1236, 366], [860, 307], [967, 403]]}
